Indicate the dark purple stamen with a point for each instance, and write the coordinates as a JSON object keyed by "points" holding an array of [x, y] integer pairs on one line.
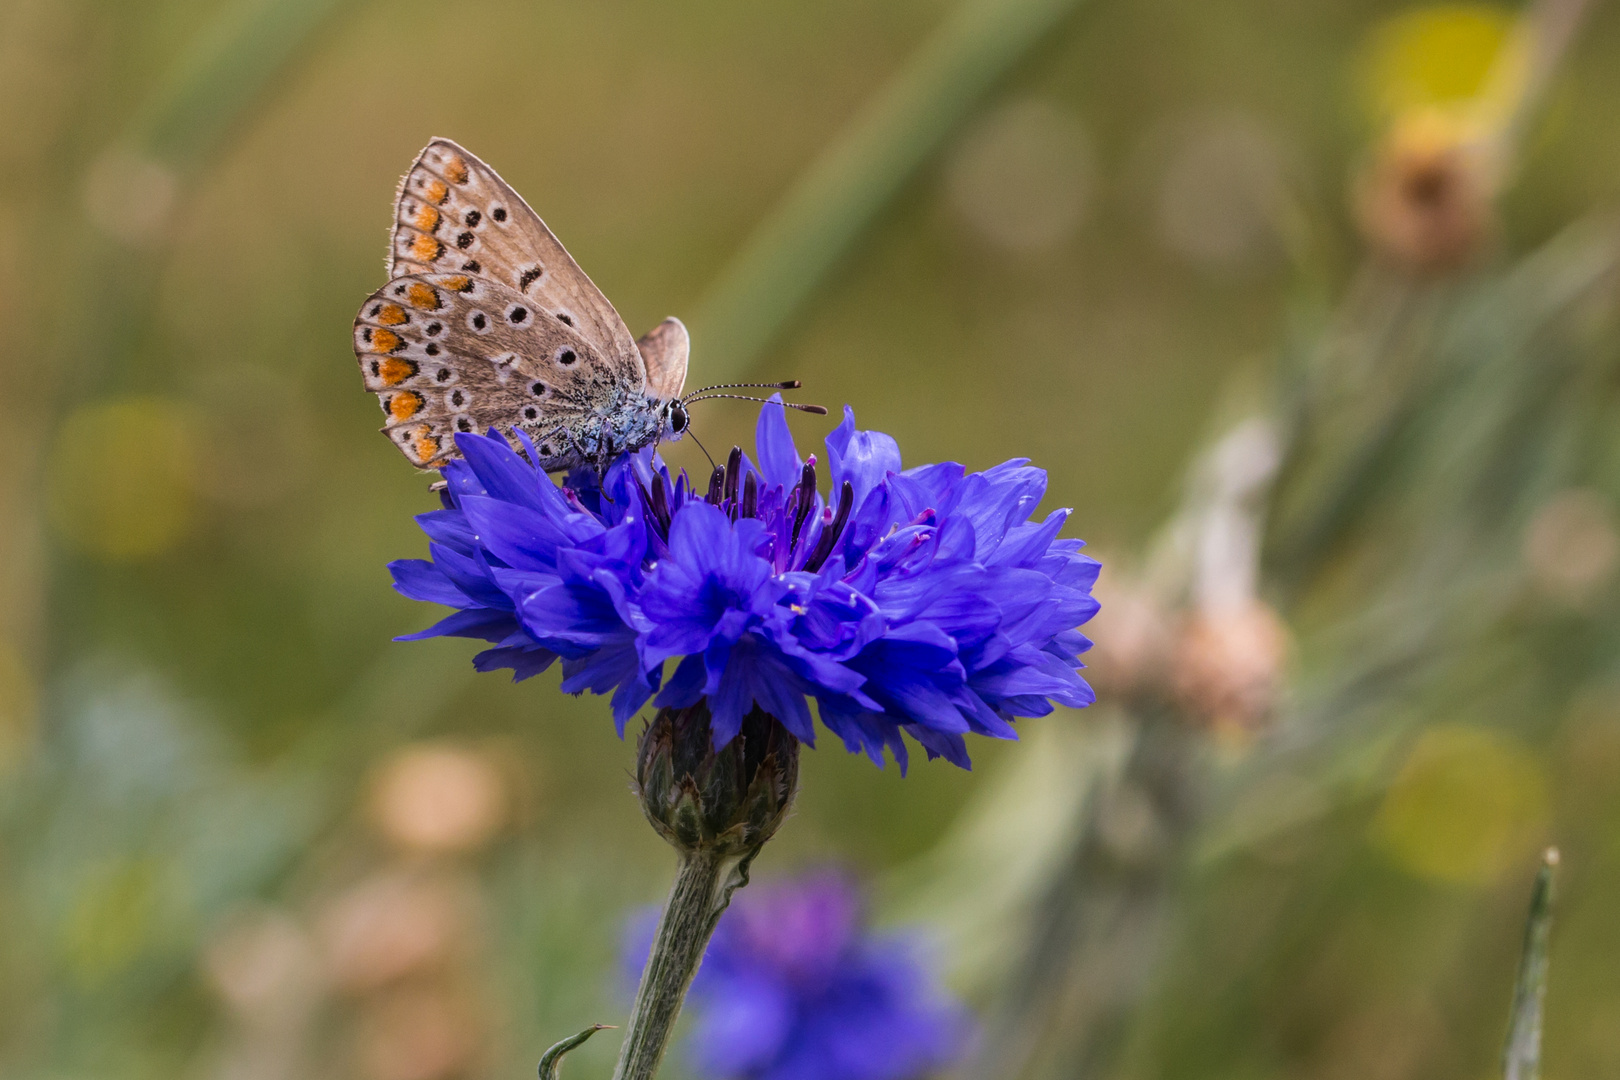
{"points": [[717, 484], [805, 495], [750, 496], [830, 533], [733, 474], [658, 522], [660, 503]]}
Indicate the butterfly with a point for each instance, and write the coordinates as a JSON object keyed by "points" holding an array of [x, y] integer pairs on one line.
{"points": [[487, 322]]}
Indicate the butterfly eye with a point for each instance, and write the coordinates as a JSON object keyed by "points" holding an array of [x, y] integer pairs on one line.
{"points": [[677, 418]]}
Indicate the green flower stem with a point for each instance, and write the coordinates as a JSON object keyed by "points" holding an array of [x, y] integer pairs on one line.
{"points": [[699, 896]]}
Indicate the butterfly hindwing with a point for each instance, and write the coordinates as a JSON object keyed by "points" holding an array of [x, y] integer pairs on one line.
{"points": [[664, 350], [450, 353], [455, 214]]}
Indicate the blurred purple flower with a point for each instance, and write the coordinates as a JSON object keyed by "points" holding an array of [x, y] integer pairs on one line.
{"points": [[922, 600], [793, 987]]}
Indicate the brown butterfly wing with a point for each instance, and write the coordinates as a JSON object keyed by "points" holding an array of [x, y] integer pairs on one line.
{"points": [[453, 353], [454, 214], [664, 350]]}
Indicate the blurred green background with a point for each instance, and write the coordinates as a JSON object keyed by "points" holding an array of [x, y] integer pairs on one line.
{"points": [[1133, 207]]}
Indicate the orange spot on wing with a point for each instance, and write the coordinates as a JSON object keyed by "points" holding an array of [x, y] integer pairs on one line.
{"points": [[405, 404], [385, 341], [427, 218], [422, 296], [392, 315], [426, 249], [455, 170], [457, 283], [395, 371], [438, 191], [427, 448]]}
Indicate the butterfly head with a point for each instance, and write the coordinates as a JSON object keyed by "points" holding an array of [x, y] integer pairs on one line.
{"points": [[674, 419]]}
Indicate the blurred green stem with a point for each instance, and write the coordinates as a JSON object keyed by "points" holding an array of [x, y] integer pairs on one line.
{"points": [[837, 197], [1521, 1057], [698, 898], [220, 77], [1068, 997]]}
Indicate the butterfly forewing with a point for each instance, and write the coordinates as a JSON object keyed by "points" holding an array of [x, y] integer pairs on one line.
{"points": [[452, 353], [454, 214]]}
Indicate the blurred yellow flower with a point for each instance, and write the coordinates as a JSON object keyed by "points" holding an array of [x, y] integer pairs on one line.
{"points": [[120, 480], [1467, 805], [1432, 57]]}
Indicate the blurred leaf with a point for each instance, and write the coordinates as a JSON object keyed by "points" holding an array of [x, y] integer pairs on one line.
{"points": [[552, 1061]]}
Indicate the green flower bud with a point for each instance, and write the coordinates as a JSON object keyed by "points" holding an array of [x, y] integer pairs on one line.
{"points": [[726, 802]]}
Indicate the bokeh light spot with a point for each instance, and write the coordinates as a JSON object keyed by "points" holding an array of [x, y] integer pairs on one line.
{"points": [[1467, 805], [438, 799], [130, 196], [120, 484], [1222, 201], [1022, 177], [1572, 546]]}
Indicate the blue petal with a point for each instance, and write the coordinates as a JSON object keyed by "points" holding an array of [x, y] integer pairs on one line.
{"points": [[421, 580], [482, 623], [525, 661], [779, 460], [860, 458]]}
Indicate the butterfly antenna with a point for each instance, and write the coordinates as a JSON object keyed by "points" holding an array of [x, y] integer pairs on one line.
{"points": [[786, 384], [703, 448], [814, 410]]}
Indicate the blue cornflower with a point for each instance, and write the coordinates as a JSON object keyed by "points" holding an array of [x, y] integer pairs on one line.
{"points": [[794, 987], [921, 600]]}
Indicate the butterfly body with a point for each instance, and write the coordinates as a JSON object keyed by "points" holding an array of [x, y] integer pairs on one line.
{"points": [[487, 322]]}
